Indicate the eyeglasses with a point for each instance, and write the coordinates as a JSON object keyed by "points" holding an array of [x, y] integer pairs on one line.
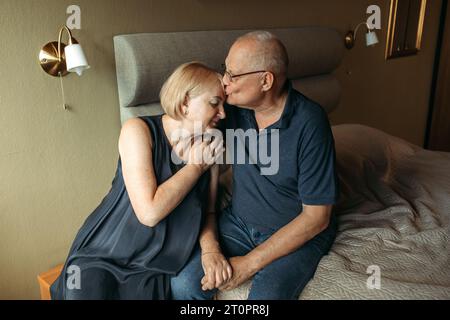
{"points": [[231, 77]]}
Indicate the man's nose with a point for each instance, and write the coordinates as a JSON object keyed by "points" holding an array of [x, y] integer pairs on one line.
{"points": [[225, 80]]}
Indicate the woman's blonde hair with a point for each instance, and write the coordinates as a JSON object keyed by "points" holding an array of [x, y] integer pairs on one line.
{"points": [[187, 81]]}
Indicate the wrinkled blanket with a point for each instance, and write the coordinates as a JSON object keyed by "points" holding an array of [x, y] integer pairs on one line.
{"points": [[393, 215]]}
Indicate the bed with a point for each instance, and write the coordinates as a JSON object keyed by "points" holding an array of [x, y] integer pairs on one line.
{"points": [[394, 210]]}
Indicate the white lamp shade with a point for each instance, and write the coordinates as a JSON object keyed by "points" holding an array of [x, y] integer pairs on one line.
{"points": [[371, 38], [75, 59]]}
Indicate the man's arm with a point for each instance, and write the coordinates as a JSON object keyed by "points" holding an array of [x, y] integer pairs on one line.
{"points": [[312, 221]]}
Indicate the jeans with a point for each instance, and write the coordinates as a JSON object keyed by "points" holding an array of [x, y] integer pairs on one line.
{"points": [[283, 279]]}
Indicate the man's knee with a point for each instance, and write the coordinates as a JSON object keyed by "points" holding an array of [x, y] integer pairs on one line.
{"points": [[271, 289], [286, 278]]}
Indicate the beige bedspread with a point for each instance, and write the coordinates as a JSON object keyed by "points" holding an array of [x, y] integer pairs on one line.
{"points": [[393, 214]]}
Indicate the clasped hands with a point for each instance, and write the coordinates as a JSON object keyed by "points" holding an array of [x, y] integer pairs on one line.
{"points": [[225, 274]]}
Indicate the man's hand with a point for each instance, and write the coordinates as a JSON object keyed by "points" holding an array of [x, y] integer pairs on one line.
{"points": [[217, 270], [243, 270]]}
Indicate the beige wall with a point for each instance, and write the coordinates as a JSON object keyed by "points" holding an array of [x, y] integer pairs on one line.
{"points": [[56, 165]]}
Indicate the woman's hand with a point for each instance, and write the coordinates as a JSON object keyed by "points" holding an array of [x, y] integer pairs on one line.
{"points": [[201, 150], [217, 270]]}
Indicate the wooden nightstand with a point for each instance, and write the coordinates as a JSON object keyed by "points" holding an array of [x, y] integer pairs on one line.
{"points": [[46, 279]]}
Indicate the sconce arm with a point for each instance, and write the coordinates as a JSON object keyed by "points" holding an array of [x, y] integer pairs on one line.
{"points": [[60, 38], [357, 28]]}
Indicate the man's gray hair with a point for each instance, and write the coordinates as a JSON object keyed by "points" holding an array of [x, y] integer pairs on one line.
{"points": [[271, 53]]}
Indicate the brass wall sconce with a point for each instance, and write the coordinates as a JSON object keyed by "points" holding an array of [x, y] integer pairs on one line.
{"points": [[58, 59], [56, 63], [371, 36]]}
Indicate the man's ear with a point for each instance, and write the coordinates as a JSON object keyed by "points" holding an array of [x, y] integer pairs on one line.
{"points": [[267, 81]]}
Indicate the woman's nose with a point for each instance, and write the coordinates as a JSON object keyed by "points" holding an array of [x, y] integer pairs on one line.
{"points": [[222, 113]]}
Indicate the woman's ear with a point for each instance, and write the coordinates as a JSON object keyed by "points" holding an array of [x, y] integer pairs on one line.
{"points": [[267, 81], [185, 109], [185, 106]]}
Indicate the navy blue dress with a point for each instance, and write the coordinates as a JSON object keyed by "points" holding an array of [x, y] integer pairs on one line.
{"points": [[117, 257]]}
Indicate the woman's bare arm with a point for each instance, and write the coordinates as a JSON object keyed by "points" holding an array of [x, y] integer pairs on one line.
{"points": [[216, 267], [151, 203], [208, 236]]}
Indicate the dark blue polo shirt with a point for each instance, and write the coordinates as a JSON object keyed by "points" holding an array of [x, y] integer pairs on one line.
{"points": [[306, 172]]}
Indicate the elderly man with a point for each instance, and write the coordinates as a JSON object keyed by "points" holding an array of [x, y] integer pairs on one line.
{"points": [[278, 226]]}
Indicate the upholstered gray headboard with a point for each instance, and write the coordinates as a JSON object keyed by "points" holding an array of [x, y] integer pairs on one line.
{"points": [[144, 61]]}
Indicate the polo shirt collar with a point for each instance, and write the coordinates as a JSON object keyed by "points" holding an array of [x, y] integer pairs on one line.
{"points": [[288, 110]]}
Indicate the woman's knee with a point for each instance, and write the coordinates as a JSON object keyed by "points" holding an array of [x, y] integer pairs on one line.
{"points": [[95, 284]]}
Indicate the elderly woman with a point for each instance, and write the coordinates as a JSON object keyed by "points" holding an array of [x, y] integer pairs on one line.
{"points": [[148, 225]]}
